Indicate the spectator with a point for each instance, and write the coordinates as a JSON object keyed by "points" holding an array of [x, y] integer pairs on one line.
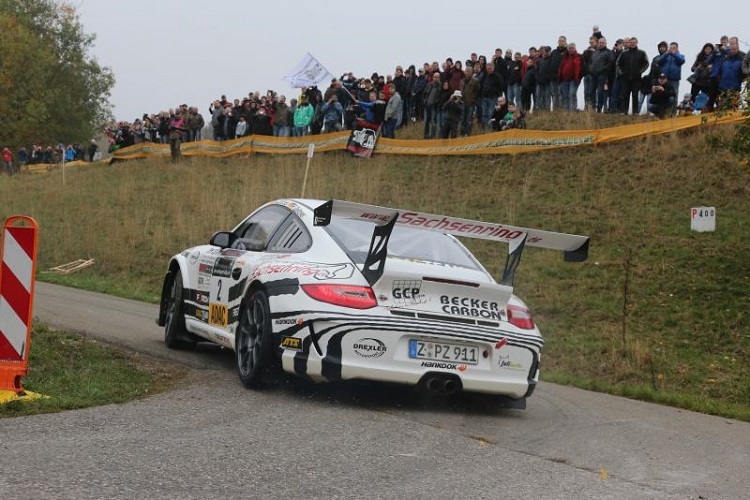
{"points": [[241, 129], [333, 114], [728, 73], [596, 32], [262, 124], [546, 75], [701, 78], [445, 95], [602, 64], [195, 123], [615, 77], [498, 114], [631, 65], [670, 63], [569, 76], [417, 96], [23, 158], [514, 79], [746, 65], [93, 148], [662, 97], [470, 94], [8, 160], [589, 91], [401, 83], [176, 129], [685, 106], [491, 88], [70, 153], [281, 117], [393, 112], [556, 57], [303, 115], [528, 84], [454, 111], [431, 98]]}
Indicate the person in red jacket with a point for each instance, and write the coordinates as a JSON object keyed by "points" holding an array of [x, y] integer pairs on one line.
{"points": [[569, 75], [8, 160]]}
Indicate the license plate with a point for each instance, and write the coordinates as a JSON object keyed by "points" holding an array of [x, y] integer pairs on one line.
{"points": [[442, 351]]}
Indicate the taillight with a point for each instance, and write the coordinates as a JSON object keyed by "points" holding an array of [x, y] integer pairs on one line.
{"points": [[356, 297], [520, 317]]}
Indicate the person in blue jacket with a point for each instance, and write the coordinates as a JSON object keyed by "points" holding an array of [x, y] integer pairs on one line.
{"points": [[727, 71], [670, 63]]}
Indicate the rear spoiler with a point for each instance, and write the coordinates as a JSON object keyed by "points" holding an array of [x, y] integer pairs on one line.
{"points": [[575, 247]]}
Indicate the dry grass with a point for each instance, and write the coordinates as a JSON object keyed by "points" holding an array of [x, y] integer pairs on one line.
{"points": [[679, 335]]}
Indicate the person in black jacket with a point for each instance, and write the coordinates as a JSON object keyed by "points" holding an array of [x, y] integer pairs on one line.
{"points": [[631, 64], [663, 98], [491, 88]]}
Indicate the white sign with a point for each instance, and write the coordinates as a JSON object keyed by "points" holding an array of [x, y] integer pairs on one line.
{"points": [[311, 150], [703, 219]]}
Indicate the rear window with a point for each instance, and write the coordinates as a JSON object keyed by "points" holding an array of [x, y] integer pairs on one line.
{"points": [[354, 236]]}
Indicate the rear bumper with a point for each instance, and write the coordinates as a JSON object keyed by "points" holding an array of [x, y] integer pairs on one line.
{"points": [[328, 350]]}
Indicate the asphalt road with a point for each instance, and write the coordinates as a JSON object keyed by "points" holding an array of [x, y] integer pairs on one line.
{"points": [[214, 439]]}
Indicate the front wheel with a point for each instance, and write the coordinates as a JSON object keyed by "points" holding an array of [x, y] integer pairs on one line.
{"points": [[253, 341], [175, 333]]}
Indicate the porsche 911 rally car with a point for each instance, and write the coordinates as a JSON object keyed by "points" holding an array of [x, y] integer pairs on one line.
{"points": [[339, 290]]}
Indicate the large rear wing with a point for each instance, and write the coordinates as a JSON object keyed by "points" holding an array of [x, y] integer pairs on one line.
{"points": [[575, 247]]}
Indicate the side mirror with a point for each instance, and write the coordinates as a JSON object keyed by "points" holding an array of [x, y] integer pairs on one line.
{"points": [[223, 239]]}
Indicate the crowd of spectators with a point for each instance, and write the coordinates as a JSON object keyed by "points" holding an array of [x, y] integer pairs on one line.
{"points": [[14, 161], [459, 97]]}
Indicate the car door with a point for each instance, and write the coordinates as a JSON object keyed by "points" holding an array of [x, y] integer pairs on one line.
{"points": [[226, 288]]}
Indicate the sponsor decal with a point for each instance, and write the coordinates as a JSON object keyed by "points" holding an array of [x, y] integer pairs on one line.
{"points": [[205, 268], [458, 226], [201, 298], [501, 343], [380, 217], [223, 267], [288, 321], [407, 291], [462, 368], [369, 348], [218, 315], [510, 365], [230, 252], [466, 306], [316, 270], [293, 343], [437, 364]]}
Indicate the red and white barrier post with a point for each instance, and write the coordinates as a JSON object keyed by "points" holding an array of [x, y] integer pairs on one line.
{"points": [[18, 255]]}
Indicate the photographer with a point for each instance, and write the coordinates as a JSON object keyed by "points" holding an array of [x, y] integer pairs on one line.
{"points": [[454, 111], [333, 113], [663, 97]]}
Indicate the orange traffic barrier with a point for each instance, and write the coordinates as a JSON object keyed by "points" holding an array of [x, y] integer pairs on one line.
{"points": [[18, 256]]}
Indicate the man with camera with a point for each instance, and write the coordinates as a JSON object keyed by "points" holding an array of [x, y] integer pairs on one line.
{"points": [[454, 112], [663, 97]]}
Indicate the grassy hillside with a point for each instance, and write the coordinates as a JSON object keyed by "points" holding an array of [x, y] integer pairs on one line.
{"points": [[657, 312]]}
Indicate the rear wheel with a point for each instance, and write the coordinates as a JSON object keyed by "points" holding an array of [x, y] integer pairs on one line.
{"points": [[252, 342], [175, 334]]}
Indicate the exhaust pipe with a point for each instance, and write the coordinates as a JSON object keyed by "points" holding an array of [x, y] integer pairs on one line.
{"points": [[442, 383], [451, 386]]}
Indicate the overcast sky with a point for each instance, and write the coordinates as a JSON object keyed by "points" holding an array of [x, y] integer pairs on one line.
{"points": [[167, 52]]}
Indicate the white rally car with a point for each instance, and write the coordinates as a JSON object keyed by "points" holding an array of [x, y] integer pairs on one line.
{"points": [[339, 290]]}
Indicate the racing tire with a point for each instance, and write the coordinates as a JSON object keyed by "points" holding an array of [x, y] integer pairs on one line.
{"points": [[253, 342], [176, 335]]}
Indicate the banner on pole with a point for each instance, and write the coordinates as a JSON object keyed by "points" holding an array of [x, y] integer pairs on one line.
{"points": [[307, 73]]}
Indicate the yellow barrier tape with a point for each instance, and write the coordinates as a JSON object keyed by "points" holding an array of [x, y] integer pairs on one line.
{"points": [[514, 141]]}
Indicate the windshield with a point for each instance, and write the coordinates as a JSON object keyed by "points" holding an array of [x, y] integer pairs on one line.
{"points": [[354, 236]]}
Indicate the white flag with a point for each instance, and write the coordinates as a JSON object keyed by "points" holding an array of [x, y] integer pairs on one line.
{"points": [[307, 73]]}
